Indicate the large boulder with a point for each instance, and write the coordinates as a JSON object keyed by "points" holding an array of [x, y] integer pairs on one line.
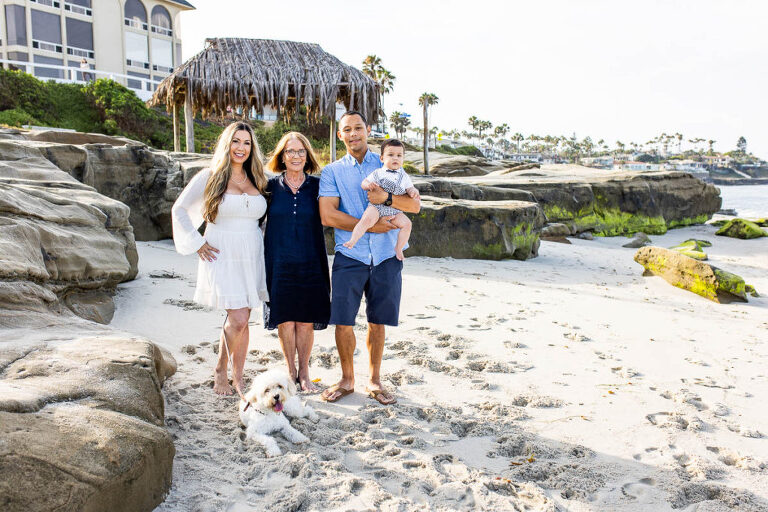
{"points": [[612, 203], [741, 228], [476, 229], [692, 275], [81, 425], [60, 240]]}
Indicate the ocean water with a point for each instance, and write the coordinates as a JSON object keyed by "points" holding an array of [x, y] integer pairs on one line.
{"points": [[750, 201]]}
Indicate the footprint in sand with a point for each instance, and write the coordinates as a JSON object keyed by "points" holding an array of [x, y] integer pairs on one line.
{"points": [[421, 316], [640, 490]]}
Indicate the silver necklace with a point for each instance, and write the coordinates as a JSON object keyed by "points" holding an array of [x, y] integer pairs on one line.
{"points": [[290, 184], [245, 177]]}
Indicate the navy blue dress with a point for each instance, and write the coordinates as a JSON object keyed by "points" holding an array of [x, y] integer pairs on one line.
{"points": [[295, 257]]}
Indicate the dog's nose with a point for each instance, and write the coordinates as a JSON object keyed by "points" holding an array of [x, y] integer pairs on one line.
{"points": [[277, 398]]}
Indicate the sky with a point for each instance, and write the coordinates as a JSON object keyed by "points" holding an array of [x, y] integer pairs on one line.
{"points": [[611, 69]]}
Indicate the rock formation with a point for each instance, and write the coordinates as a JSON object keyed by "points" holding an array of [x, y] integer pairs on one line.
{"points": [[741, 228], [692, 275], [81, 411]]}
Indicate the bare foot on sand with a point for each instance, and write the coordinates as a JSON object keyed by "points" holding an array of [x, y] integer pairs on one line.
{"points": [[306, 384], [221, 384]]}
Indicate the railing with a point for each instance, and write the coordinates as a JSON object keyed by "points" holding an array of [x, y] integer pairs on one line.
{"points": [[136, 24], [76, 75], [50, 3], [44, 45], [80, 52], [77, 9], [137, 63], [162, 30]]}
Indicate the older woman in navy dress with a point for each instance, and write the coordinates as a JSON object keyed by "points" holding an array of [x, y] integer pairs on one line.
{"points": [[295, 256]]}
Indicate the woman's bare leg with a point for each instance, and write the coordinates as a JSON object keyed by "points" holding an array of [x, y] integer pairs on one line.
{"points": [[369, 218], [236, 330], [404, 223], [305, 338], [286, 331]]}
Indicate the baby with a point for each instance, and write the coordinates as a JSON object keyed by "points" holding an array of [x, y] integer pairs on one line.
{"points": [[391, 178]]}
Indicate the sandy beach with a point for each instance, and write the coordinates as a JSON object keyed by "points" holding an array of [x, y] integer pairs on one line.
{"points": [[565, 382]]}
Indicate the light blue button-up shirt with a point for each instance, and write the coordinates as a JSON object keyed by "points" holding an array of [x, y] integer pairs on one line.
{"points": [[342, 179]]}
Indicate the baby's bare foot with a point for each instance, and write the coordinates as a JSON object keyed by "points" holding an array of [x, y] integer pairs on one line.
{"points": [[399, 254], [220, 383], [349, 245]]}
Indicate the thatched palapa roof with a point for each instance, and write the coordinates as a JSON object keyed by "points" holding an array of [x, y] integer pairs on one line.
{"points": [[238, 72]]}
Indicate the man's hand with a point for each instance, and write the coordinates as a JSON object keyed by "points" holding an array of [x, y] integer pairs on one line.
{"points": [[383, 225], [376, 194]]}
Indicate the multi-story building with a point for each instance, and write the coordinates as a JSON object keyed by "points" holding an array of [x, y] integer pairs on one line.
{"points": [[135, 42]]}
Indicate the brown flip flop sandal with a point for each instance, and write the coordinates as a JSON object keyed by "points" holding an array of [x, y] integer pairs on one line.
{"points": [[334, 389], [381, 396]]}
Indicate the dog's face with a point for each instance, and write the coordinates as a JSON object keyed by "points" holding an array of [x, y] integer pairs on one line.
{"points": [[270, 390]]}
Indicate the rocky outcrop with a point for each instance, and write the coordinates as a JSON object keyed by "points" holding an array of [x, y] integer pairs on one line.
{"points": [[741, 228], [63, 244], [81, 425], [692, 275], [81, 411], [473, 229], [613, 203]]}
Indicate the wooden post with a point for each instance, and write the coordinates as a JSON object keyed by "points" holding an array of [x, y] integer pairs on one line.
{"points": [[189, 124], [176, 129], [333, 134]]}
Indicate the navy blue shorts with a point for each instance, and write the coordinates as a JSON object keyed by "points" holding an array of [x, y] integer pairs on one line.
{"points": [[381, 284]]}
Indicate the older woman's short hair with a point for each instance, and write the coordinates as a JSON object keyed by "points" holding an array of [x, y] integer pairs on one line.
{"points": [[276, 163]]}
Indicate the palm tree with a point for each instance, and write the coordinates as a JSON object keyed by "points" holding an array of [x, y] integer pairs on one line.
{"points": [[474, 122], [679, 137], [482, 126], [386, 80], [517, 137], [501, 130], [711, 143], [425, 100], [399, 123]]}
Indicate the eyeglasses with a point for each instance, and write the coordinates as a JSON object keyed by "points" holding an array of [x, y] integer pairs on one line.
{"points": [[295, 152]]}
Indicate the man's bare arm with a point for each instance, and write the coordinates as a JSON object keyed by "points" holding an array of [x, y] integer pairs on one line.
{"points": [[403, 203], [331, 216]]}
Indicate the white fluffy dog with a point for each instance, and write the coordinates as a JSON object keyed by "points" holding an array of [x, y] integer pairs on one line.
{"points": [[272, 394]]}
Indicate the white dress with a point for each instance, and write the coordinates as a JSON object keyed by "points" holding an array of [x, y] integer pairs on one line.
{"points": [[236, 278]]}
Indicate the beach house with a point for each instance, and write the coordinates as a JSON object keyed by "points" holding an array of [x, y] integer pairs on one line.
{"points": [[135, 42]]}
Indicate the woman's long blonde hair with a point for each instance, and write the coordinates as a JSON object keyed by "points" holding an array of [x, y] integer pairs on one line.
{"points": [[276, 164], [221, 169]]}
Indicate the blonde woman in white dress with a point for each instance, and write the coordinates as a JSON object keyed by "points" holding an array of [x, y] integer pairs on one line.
{"points": [[230, 274]]}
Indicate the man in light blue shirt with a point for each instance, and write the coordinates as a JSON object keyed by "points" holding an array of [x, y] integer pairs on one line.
{"points": [[371, 266]]}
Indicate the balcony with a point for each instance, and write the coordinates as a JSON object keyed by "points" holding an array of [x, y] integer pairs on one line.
{"points": [[162, 69], [142, 87], [136, 24], [43, 45], [137, 63], [49, 3], [162, 31], [77, 9], [80, 52]]}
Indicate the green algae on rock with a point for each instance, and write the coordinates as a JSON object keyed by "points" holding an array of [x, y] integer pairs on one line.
{"points": [[693, 248], [689, 274], [741, 228]]}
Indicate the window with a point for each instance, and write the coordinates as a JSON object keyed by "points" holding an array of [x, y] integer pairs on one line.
{"points": [[19, 57], [161, 21], [135, 14], [162, 55], [79, 37], [46, 72], [46, 27], [16, 24], [136, 49], [138, 84]]}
